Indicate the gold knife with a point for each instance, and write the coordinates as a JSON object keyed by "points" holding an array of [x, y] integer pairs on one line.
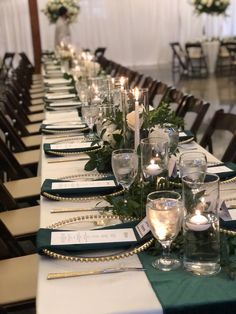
{"points": [[92, 272]]}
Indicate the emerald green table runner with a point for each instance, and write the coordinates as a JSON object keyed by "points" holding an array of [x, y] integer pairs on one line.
{"points": [[180, 292]]}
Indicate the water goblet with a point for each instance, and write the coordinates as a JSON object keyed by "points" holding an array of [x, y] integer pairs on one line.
{"points": [[193, 165], [125, 167], [90, 113], [165, 214]]}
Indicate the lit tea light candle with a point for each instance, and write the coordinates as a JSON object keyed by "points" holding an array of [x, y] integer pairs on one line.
{"points": [[198, 222], [153, 169]]}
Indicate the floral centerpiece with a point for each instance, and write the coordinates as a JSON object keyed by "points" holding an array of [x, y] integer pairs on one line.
{"points": [[52, 7], [212, 7]]}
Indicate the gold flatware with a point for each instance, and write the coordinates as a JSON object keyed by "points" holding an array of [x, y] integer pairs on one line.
{"points": [[92, 272], [67, 160], [71, 210]]}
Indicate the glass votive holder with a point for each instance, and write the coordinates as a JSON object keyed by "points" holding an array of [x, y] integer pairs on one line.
{"points": [[154, 157], [201, 225]]}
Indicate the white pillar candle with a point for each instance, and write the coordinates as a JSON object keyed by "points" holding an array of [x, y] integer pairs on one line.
{"points": [[137, 122]]}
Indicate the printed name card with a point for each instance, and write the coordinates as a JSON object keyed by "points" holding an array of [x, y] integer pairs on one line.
{"points": [[143, 227], [73, 145], [59, 96], [57, 81], [219, 169], [65, 126], [59, 88], [95, 236], [65, 104], [83, 184]]}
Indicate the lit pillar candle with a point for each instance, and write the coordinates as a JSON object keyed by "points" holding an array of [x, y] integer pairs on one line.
{"points": [[137, 122]]}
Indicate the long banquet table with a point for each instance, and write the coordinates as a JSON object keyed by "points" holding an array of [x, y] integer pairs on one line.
{"points": [[126, 292]]}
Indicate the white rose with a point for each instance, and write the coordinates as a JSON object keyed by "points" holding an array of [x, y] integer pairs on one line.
{"points": [[209, 3]]}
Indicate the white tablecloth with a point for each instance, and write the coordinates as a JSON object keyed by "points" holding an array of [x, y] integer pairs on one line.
{"points": [[127, 292]]}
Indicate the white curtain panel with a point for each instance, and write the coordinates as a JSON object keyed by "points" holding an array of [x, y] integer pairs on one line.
{"points": [[15, 31], [135, 32]]}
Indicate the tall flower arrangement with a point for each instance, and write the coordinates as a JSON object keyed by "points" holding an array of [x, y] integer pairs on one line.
{"points": [[212, 7], [52, 7]]}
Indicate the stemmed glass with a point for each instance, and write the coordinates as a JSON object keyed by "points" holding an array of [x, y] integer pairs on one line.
{"points": [[193, 165], [125, 167], [90, 113], [165, 214]]}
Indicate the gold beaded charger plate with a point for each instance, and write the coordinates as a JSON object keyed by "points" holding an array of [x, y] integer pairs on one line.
{"points": [[89, 222]]}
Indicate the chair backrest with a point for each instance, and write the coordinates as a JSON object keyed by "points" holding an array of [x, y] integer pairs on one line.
{"points": [[196, 106], [221, 121], [147, 82], [11, 134], [174, 97], [9, 246], [99, 52], [194, 50], [6, 199], [10, 164], [157, 93], [179, 54]]}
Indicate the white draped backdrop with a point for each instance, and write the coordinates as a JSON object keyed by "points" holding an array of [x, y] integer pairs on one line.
{"points": [[135, 32]]}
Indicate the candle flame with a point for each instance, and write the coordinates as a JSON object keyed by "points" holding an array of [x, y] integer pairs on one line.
{"points": [[152, 161]]}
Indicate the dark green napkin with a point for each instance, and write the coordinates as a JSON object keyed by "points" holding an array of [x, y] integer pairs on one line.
{"points": [[44, 240], [229, 225], [45, 129], [73, 192], [47, 149], [188, 135], [226, 175]]}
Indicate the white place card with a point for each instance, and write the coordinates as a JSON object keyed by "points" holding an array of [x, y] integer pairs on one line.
{"points": [[218, 169], [59, 88], [65, 126], [55, 71], [57, 81], [92, 236], [56, 116], [232, 213], [83, 184], [65, 104], [60, 96], [182, 134], [143, 227], [72, 145]]}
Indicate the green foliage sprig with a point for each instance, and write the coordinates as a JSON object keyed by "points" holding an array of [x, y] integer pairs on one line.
{"points": [[160, 116]]}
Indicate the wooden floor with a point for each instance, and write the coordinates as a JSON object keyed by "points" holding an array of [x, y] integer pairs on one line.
{"points": [[219, 90]]}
